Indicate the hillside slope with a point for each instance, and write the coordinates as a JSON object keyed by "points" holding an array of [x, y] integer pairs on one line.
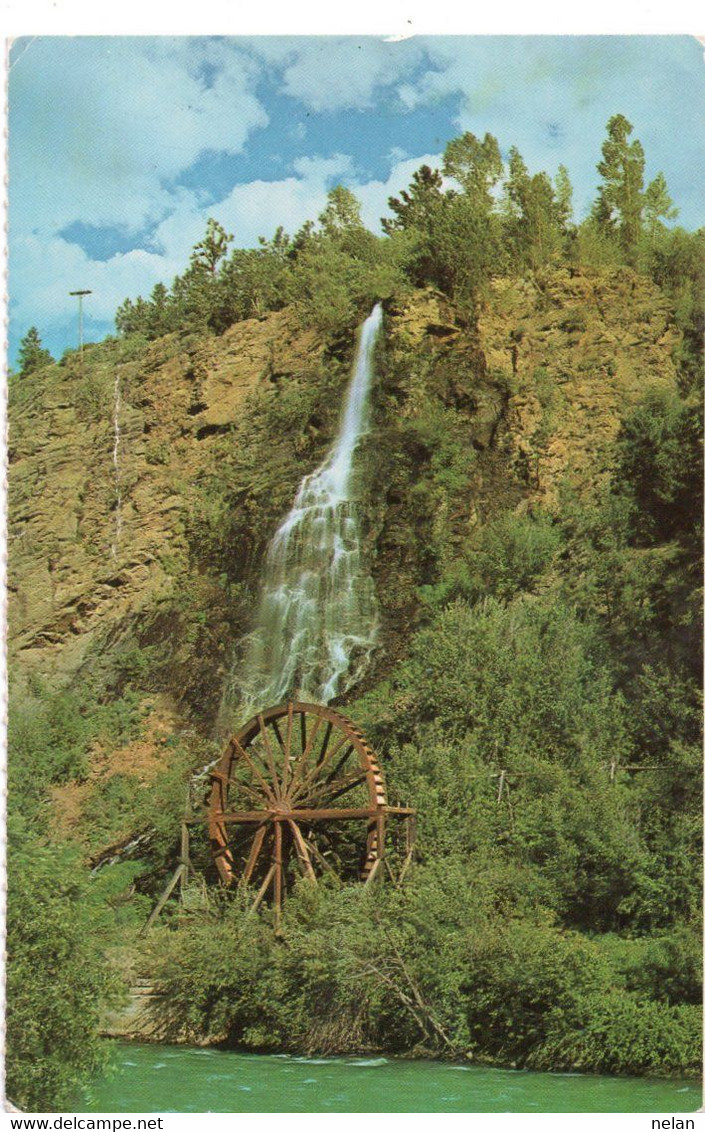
{"points": [[536, 394], [529, 501]]}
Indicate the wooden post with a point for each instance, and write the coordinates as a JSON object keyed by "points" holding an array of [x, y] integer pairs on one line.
{"points": [[263, 888], [163, 899], [185, 858], [373, 871], [502, 774]]}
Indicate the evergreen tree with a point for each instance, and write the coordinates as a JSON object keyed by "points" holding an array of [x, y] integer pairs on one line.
{"points": [[416, 207], [255, 280], [564, 197], [302, 238], [533, 215], [620, 197], [160, 315], [32, 355], [418, 213], [342, 212], [658, 205], [476, 165], [208, 253], [342, 224], [133, 318]]}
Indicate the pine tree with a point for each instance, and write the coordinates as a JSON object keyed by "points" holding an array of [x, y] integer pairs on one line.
{"points": [[32, 355], [534, 217], [474, 164], [658, 205], [342, 212], [564, 197], [208, 253], [415, 208], [620, 197], [160, 316]]}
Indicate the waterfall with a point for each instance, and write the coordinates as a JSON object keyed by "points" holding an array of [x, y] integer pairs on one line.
{"points": [[318, 620], [116, 465]]}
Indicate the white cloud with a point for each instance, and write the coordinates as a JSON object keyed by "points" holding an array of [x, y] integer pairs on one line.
{"points": [[323, 169], [329, 73], [182, 227], [552, 97], [99, 127], [45, 268], [44, 271], [259, 207]]}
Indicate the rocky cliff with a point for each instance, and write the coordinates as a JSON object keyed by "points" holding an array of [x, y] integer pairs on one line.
{"points": [[97, 524], [107, 532]]}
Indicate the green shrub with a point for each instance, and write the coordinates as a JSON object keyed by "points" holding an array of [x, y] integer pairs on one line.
{"points": [[57, 978], [50, 734], [619, 1033]]}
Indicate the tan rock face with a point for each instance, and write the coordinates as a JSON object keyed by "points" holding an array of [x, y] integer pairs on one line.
{"points": [[557, 363], [576, 351], [81, 567]]}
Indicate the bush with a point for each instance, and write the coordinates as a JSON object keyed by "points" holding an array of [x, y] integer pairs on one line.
{"points": [[619, 1033], [57, 979], [50, 734]]}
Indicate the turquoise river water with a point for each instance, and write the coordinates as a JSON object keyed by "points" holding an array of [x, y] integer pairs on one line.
{"points": [[154, 1078]]}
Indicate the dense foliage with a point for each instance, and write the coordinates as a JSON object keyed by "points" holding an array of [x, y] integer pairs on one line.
{"points": [[58, 922], [511, 220], [539, 702]]}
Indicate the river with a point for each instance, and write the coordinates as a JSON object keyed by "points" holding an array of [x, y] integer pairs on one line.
{"points": [[156, 1078]]}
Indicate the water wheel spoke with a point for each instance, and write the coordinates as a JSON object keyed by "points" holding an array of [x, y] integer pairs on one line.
{"points": [[263, 783], [340, 764], [326, 740], [319, 813], [321, 766], [302, 851], [239, 785], [287, 745], [261, 757], [329, 790], [278, 734], [269, 757], [255, 850], [243, 817], [305, 751]]}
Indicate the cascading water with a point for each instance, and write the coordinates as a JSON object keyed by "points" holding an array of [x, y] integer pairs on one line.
{"points": [[318, 618], [116, 465]]}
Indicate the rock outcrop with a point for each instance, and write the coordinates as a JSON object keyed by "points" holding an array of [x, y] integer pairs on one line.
{"points": [[80, 571], [577, 350], [544, 380]]}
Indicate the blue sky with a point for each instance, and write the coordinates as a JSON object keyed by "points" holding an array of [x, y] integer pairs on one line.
{"points": [[121, 147]]}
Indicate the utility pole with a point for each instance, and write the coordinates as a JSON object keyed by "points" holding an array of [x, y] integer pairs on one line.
{"points": [[80, 318]]}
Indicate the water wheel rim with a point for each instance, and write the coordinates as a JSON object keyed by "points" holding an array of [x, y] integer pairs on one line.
{"points": [[292, 799]]}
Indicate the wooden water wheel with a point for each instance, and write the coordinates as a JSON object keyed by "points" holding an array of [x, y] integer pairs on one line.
{"points": [[296, 792]]}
